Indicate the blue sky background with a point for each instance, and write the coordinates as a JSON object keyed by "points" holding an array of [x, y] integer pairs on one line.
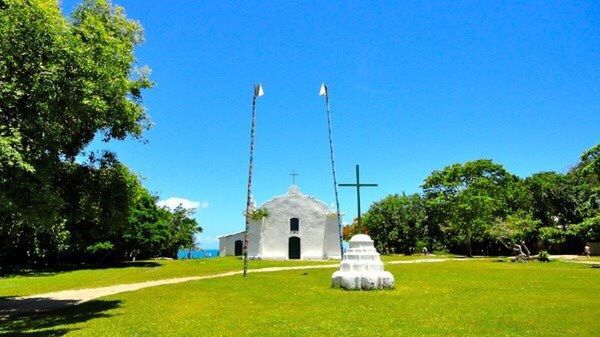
{"points": [[414, 86]]}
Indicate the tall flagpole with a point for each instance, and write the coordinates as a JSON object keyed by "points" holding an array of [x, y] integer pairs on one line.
{"points": [[258, 91], [325, 92]]}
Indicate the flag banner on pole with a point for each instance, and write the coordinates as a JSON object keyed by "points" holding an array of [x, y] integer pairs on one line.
{"points": [[323, 90], [258, 90]]}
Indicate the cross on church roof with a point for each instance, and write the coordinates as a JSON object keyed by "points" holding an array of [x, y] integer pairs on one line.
{"points": [[294, 174]]}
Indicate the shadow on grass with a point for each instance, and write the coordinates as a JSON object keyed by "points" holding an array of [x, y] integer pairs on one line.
{"points": [[6, 272], [23, 317]]}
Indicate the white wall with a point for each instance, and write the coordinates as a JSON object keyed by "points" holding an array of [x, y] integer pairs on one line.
{"points": [[268, 238], [276, 231], [332, 237], [227, 243], [254, 239]]}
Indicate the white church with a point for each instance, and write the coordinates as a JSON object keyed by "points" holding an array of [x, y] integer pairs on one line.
{"points": [[298, 226]]}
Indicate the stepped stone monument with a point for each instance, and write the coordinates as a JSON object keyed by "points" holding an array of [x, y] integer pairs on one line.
{"points": [[361, 267]]}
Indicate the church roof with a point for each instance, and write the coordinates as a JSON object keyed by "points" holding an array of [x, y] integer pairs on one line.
{"points": [[294, 191], [230, 234]]}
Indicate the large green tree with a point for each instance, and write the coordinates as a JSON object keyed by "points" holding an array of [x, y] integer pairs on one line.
{"points": [[552, 198], [111, 216], [567, 205], [396, 223], [466, 199], [62, 82]]}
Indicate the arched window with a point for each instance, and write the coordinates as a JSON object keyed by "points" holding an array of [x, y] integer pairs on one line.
{"points": [[294, 224]]}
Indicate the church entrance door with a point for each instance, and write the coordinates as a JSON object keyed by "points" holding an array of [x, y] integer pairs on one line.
{"points": [[239, 246], [294, 248]]}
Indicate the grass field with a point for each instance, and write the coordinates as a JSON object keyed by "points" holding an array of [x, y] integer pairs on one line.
{"points": [[453, 298], [23, 285], [37, 283]]}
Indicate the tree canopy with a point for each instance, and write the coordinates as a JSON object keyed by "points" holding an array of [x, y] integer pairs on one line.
{"points": [[478, 207], [63, 82]]}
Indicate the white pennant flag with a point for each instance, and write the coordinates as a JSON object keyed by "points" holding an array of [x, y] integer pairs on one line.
{"points": [[323, 91], [258, 90]]}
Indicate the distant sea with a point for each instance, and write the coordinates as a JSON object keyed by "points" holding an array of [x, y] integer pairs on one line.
{"points": [[198, 254]]}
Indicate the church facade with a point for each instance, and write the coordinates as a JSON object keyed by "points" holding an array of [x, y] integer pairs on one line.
{"points": [[298, 226]]}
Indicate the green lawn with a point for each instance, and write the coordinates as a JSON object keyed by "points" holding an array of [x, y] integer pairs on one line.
{"points": [[144, 271], [454, 298], [129, 273]]}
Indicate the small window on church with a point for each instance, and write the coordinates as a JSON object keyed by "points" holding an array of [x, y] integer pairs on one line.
{"points": [[294, 224]]}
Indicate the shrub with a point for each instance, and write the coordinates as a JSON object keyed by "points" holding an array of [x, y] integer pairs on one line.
{"points": [[420, 245], [100, 251], [258, 214], [544, 256]]}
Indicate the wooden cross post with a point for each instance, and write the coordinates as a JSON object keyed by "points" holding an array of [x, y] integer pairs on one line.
{"points": [[294, 174], [358, 185]]}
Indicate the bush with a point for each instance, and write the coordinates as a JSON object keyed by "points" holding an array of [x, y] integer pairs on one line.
{"points": [[544, 256], [259, 214], [100, 251], [420, 245]]}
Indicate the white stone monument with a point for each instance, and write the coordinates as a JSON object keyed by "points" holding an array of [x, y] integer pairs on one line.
{"points": [[361, 267]]}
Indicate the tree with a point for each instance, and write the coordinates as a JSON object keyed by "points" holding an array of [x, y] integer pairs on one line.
{"points": [[585, 176], [182, 230], [567, 204], [587, 230], [156, 231], [514, 231], [396, 223], [590, 162], [553, 199], [349, 230], [65, 80], [62, 81], [466, 199]]}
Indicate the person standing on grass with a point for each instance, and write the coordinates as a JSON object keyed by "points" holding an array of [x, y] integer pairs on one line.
{"points": [[586, 250]]}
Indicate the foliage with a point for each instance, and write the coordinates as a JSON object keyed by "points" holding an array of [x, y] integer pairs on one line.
{"points": [[480, 206], [258, 214], [101, 250], [62, 82], [552, 237], [349, 230], [544, 256], [10, 153], [590, 161], [514, 229], [465, 199], [396, 223], [587, 230], [552, 198]]}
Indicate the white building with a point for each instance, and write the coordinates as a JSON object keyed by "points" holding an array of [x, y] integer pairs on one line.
{"points": [[298, 227]]}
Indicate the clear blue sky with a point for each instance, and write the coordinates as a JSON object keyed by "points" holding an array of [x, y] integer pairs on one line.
{"points": [[414, 86]]}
